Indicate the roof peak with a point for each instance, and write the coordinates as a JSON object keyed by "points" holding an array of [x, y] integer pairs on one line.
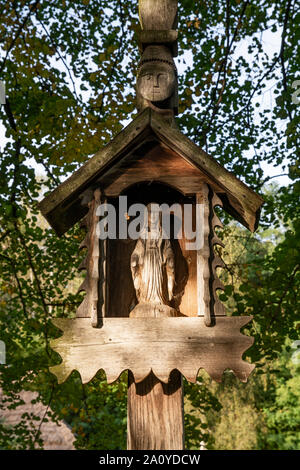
{"points": [[62, 208]]}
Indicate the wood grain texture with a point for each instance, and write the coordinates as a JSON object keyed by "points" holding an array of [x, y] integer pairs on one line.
{"points": [[203, 256], [120, 279], [156, 84], [89, 305], [240, 201], [160, 164], [208, 282], [153, 273], [158, 14], [155, 413], [215, 260], [160, 345], [166, 37], [186, 272]]}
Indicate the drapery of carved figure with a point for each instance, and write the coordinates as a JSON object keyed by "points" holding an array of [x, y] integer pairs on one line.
{"points": [[157, 79], [153, 272], [152, 265]]}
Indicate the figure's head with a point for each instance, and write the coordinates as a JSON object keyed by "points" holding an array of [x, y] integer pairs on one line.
{"points": [[156, 80], [152, 228]]}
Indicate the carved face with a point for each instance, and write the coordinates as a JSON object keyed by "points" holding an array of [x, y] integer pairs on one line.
{"points": [[152, 228], [156, 81]]}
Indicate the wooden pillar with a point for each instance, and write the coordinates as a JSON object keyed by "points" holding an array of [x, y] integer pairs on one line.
{"points": [[155, 419]]}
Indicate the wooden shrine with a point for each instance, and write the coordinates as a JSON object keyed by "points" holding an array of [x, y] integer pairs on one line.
{"points": [[151, 305]]}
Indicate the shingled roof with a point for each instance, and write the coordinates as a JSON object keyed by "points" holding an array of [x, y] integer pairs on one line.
{"points": [[63, 207]]}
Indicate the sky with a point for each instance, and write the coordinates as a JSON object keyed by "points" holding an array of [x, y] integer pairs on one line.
{"points": [[271, 42]]}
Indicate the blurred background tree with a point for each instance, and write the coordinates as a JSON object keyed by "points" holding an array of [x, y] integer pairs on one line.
{"points": [[69, 70]]}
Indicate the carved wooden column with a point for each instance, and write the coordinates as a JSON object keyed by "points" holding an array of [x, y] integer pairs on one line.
{"points": [[208, 261], [155, 413], [89, 306], [151, 306], [155, 409]]}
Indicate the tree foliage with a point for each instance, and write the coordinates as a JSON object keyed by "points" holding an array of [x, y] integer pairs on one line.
{"points": [[69, 69], [282, 409]]}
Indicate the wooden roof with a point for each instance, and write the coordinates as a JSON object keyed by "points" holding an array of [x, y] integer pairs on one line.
{"points": [[63, 207]]}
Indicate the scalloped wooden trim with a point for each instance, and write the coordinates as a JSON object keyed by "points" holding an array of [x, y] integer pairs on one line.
{"points": [[160, 345], [209, 305]]}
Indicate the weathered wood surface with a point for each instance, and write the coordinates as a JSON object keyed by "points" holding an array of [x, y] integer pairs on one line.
{"points": [[89, 305], [196, 279], [208, 261], [120, 279], [158, 14], [203, 255], [161, 164], [155, 413], [167, 37], [62, 208], [160, 345], [216, 261], [157, 80], [243, 203], [153, 269]]}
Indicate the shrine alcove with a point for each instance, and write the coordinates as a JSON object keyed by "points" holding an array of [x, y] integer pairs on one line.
{"points": [[119, 251]]}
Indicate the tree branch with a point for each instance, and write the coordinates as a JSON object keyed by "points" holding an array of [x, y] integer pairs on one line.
{"points": [[60, 56], [270, 178], [20, 29], [286, 290], [44, 416], [214, 105], [12, 263], [280, 57]]}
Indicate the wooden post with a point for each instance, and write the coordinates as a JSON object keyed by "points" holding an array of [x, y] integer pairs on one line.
{"points": [[95, 340], [155, 413]]}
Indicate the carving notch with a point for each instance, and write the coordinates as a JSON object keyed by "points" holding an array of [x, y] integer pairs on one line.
{"points": [[89, 306], [209, 304]]}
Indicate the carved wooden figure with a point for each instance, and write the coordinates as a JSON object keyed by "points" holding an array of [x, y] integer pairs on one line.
{"points": [[157, 79], [153, 272], [151, 304], [150, 150]]}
